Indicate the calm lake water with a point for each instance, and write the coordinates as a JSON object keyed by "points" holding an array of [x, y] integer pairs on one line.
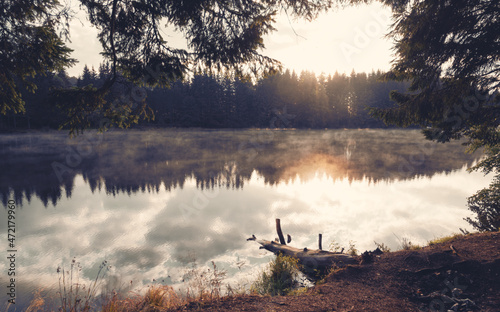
{"points": [[149, 202]]}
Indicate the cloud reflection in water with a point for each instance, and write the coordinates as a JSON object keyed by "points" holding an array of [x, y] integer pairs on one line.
{"points": [[149, 201]]}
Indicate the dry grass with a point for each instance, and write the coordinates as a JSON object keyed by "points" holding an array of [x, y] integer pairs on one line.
{"points": [[156, 298], [444, 239], [202, 285], [37, 303], [75, 296], [406, 244]]}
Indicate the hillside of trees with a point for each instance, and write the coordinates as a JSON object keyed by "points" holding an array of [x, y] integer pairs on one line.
{"points": [[285, 100]]}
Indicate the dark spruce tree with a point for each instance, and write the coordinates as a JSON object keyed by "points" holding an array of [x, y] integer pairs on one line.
{"points": [[449, 51], [29, 45], [221, 36], [87, 78]]}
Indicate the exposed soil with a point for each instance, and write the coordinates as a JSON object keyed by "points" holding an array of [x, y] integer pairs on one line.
{"points": [[462, 274]]}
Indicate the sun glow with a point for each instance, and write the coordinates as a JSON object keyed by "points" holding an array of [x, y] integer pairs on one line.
{"points": [[315, 165], [341, 40]]}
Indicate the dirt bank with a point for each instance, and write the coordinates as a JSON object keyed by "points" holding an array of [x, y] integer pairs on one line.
{"points": [[462, 274]]}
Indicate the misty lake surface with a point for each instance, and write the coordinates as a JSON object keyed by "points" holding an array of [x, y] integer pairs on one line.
{"points": [[151, 201]]}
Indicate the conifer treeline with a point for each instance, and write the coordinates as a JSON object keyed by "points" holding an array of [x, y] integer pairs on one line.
{"points": [[285, 100]]}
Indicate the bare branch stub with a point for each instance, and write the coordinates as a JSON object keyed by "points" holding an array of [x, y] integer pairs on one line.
{"points": [[280, 233]]}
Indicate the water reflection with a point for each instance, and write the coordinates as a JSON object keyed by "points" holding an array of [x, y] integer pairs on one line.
{"points": [[150, 201], [45, 165]]}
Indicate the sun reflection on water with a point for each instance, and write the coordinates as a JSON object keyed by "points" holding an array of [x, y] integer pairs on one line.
{"points": [[148, 222]]}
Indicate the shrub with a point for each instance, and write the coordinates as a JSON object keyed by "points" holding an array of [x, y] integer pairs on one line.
{"points": [[486, 205], [280, 277]]}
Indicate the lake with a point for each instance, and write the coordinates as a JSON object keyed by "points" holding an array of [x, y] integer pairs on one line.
{"points": [[151, 202]]}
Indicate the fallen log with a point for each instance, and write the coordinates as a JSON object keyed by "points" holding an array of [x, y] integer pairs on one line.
{"points": [[316, 257], [314, 263]]}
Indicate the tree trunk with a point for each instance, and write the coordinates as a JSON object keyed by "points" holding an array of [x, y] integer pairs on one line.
{"points": [[313, 260]]}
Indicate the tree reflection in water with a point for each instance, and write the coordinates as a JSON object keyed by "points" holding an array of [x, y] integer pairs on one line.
{"points": [[45, 164]]}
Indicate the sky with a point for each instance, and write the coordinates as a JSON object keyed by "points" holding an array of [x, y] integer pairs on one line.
{"points": [[341, 40]]}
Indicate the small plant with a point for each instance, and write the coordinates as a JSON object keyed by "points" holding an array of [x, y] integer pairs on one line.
{"points": [[162, 297], [204, 285], [406, 244], [75, 296], [335, 247], [383, 247], [280, 277], [216, 277], [352, 248]]}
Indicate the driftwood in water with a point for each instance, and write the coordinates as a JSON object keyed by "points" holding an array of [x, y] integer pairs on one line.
{"points": [[313, 260]]}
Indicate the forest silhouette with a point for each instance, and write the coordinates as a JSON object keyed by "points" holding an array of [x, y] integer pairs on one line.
{"points": [[45, 165], [284, 100]]}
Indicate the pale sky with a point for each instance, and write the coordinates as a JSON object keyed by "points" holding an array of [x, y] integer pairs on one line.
{"points": [[340, 40]]}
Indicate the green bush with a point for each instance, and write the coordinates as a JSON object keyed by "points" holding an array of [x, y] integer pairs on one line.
{"points": [[279, 278], [486, 205]]}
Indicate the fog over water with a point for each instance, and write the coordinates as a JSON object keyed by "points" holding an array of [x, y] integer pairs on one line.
{"points": [[150, 201]]}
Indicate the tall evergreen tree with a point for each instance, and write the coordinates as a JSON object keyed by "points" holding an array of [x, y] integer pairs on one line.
{"points": [[87, 77], [29, 45], [450, 53], [221, 35], [337, 90]]}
